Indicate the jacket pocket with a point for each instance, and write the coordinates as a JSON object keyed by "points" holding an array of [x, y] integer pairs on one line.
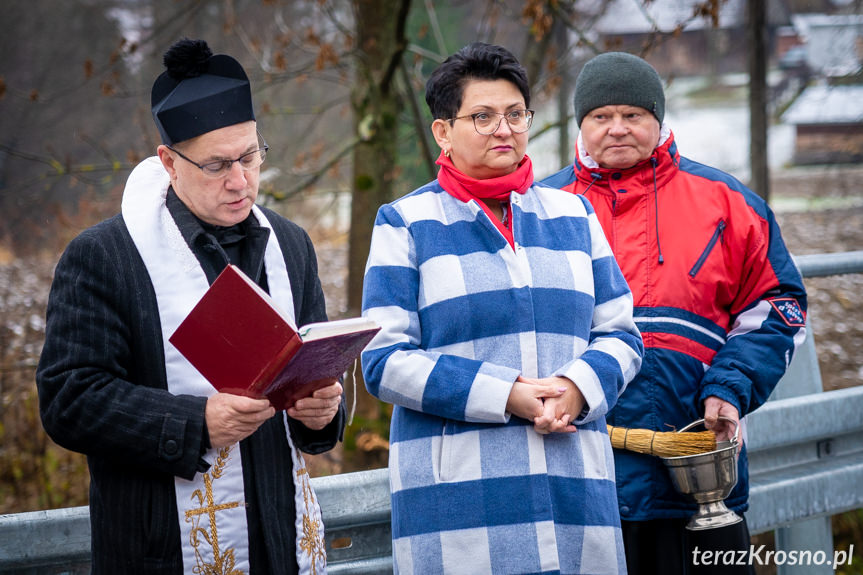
{"points": [[717, 236], [445, 471], [458, 454]]}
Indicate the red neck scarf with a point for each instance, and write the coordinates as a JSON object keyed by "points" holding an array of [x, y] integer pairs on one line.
{"points": [[463, 187]]}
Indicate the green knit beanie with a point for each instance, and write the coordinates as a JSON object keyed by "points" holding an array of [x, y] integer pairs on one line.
{"points": [[618, 79]]}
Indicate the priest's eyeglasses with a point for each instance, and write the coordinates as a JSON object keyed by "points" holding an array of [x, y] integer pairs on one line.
{"points": [[221, 168], [487, 123]]}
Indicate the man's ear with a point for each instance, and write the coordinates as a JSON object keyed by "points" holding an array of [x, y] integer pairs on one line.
{"points": [[167, 158], [441, 132]]}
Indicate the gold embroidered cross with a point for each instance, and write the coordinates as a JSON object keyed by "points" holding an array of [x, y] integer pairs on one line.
{"points": [[222, 564]]}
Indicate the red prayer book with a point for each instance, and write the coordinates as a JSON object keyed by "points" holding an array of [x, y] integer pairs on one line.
{"points": [[242, 343]]}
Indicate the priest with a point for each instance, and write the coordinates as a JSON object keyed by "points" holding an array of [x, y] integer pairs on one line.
{"points": [[185, 479]]}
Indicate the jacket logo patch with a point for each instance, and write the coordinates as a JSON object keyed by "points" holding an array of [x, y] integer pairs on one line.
{"points": [[789, 310]]}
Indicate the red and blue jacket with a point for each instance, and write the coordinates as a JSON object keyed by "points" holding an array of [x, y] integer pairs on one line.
{"points": [[719, 302]]}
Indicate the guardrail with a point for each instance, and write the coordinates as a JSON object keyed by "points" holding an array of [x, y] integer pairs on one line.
{"points": [[806, 448], [355, 509], [806, 463]]}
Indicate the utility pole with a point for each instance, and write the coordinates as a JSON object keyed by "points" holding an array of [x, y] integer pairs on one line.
{"points": [[757, 33]]}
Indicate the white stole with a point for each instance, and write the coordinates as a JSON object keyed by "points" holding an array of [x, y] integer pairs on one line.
{"points": [[211, 508]]}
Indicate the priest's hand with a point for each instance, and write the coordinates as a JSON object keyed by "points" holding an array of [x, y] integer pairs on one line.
{"points": [[231, 418], [318, 410]]}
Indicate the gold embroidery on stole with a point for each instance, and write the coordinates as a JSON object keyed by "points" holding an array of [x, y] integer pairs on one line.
{"points": [[223, 563], [311, 542]]}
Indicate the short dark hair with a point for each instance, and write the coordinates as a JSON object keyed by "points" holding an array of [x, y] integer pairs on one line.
{"points": [[476, 61]]}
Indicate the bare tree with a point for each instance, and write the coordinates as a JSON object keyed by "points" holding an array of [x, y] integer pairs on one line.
{"points": [[757, 56], [381, 43], [48, 124]]}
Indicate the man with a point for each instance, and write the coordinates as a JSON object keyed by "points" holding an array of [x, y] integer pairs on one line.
{"points": [[719, 302], [184, 479]]}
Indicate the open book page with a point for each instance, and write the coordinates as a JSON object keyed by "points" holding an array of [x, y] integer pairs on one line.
{"points": [[321, 359], [313, 331]]}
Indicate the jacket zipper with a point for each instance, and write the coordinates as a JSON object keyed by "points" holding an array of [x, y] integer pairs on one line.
{"points": [[717, 235]]}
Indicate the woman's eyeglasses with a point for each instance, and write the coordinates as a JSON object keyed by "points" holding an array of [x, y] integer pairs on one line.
{"points": [[487, 123]]}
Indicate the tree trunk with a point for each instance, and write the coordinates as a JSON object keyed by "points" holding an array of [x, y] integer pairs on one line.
{"points": [[759, 180], [565, 106], [380, 43], [380, 29]]}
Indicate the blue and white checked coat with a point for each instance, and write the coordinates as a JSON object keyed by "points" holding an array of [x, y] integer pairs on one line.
{"points": [[475, 490]]}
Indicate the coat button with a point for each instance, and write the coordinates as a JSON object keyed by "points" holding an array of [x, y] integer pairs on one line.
{"points": [[170, 447], [624, 510], [616, 175]]}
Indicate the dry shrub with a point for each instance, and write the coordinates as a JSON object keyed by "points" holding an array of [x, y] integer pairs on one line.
{"points": [[34, 472]]}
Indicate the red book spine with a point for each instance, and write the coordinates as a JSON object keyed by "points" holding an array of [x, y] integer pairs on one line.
{"points": [[263, 381]]}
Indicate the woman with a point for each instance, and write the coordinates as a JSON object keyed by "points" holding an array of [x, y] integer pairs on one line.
{"points": [[506, 327]]}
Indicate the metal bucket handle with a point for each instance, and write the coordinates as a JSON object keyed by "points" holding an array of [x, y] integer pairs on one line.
{"points": [[701, 421]]}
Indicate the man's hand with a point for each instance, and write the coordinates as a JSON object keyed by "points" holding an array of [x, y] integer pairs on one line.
{"points": [[713, 409], [318, 410], [231, 418], [559, 412]]}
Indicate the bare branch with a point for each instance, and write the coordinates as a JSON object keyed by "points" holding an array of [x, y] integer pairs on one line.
{"points": [[416, 115], [331, 12], [313, 178], [58, 169], [428, 54], [435, 26], [401, 44], [569, 20]]}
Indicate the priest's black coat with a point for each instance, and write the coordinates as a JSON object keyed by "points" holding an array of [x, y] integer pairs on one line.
{"points": [[103, 392]]}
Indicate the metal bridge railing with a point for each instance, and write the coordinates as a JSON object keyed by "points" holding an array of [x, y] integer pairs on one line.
{"points": [[806, 464]]}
